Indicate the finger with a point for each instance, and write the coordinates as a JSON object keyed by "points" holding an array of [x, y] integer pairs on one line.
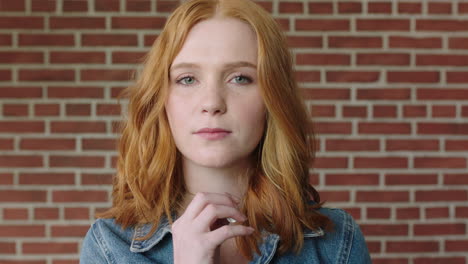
{"points": [[202, 199], [218, 236], [213, 212]]}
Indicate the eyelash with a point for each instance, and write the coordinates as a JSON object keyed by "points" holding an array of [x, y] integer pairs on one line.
{"points": [[249, 80]]}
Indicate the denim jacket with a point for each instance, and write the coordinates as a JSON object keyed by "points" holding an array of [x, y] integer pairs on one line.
{"points": [[107, 242]]}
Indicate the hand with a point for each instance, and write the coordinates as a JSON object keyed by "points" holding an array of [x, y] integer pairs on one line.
{"points": [[199, 231]]}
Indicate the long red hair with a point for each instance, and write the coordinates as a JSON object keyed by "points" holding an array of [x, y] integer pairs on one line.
{"points": [[149, 182]]}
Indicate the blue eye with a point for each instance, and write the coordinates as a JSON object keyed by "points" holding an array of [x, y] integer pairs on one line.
{"points": [[187, 80], [241, 79]]}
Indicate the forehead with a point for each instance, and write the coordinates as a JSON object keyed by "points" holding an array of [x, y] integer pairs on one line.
{"points": [[217, 41]]}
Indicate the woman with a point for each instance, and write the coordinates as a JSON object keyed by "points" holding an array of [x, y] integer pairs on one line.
{"points": [[214, 156]]}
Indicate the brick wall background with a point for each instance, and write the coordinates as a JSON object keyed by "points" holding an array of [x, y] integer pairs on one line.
{"points": [[385, 80]]}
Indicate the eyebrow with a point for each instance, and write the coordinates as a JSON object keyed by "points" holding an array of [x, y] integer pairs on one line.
{"points": [[231, 65]]}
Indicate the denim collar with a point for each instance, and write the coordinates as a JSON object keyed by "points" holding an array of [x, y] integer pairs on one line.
{"points": [[267, 249]]}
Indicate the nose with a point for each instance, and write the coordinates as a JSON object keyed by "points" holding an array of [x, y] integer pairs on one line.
{"points": [[213, 100]]}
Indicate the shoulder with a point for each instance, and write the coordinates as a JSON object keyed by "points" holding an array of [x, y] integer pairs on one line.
{"points": [[345, 241]]}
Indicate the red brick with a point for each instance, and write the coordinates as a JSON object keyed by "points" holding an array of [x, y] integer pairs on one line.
{"points": [[352, 179], [462, 8], [107, 5], [75, 6], [106, 75], [6, 179], [413, 76], [323, 59], [439, 260], [409, 8], [412, 144], [78, 127], [76, 161], [10, 161], [331, 162], [383, 94], [166, 6], [323, 111], [334, 196], [150, 39], [349, 7], [456, 179], [15, 110], [384, 229], [304, 41], [437, 212], [434, 229], [151, 22], [109, 40], [43, 6], [326, 94], [383, 59], [379, 7], [5, 75], [138, 6], [47, 144], [77, 214], [46, 109], [77, 22], [384, 128], [46, 40], [382, 196], [15, 213], [10, 231], [439, 8], [12, 5], [79, 196], [20, 92], [442, 94], [96, 179], [410, 179], [352, 76], [99, 144], [22, 196], [457, 77], [441, 60], [46, 75], [332, 127], [6, 144], [354, 42], [291, 7], [444, 111], [108, 109], [442, 128], [69, 230], [461, 212], [21, 57], [440, 162], [21, 22], [383, 24], [456, 145], [412, 246], [8, 248], [352, 145], [50, 178], [75, 92], [414, 111], [322, 24], [46, 213], [456, 245], [320, 8], [5, 40], [415, 42], [21, 126], [384, 111], [354, 111], [380, 162], [49, 247], [78, 109], [77, 57], [458, 43], [407, 213], [378, 213], [128, 57], [441, 195], [441, 25]]}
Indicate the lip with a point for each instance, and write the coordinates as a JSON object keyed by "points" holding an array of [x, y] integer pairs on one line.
{"points": [[212, 133]]}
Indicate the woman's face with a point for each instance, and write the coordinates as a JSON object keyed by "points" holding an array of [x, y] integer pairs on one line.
{"points": [[214, 85]]}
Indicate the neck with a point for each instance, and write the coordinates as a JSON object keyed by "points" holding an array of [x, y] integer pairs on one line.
{"points": [[232, 180]]}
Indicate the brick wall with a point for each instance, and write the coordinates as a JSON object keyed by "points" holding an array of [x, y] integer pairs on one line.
{"points": [[386, 82]]}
